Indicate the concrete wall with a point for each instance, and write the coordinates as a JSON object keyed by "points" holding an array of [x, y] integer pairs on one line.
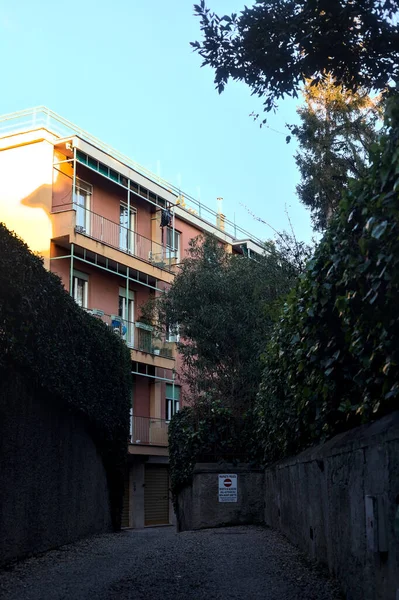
{"points": [[199, 506], [319, 499], [53, 487]]}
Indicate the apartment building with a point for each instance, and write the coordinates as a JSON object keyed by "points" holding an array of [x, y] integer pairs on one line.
{"points": [[115, 234]]}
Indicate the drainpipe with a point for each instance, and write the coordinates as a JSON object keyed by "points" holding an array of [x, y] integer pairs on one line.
{"points": [[74, 176], [128, 215], [71, 273]]}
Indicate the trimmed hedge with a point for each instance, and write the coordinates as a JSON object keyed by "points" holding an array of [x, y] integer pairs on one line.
{"points": [[70, 354], [332, 362]]}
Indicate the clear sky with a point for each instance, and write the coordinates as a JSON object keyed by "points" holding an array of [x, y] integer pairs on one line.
{"points": [[125, 72]]}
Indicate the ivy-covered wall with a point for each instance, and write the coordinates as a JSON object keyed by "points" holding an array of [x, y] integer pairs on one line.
{"points": [[57, 347], [333, 360], [53, 484]]}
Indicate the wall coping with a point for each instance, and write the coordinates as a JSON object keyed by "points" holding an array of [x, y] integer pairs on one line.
{"points": [[225, 468]]}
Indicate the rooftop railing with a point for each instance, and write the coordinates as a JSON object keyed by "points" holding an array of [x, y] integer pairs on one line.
{"points": [[41, 116]]}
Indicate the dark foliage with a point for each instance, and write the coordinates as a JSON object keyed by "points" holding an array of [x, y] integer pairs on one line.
{"points": [[276, 45], [62, 349], [333, 360], [336, 133], [225, 306], [208, 432]]}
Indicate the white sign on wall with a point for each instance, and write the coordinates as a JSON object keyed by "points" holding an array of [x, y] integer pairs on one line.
{"points": [[228, 488]]}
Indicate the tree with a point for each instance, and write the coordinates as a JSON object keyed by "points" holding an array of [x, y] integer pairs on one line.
{"points": [[276, 45], [336, 134], [225, 306]]}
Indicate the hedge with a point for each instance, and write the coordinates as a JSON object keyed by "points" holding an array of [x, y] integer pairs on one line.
{"points": [[208, 432], [332, 362], [65, 351]]}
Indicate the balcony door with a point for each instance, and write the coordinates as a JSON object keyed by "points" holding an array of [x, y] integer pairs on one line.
{"points": [[80, 288], [127, 228], [172, 244], [83, 192], [126, 312]]}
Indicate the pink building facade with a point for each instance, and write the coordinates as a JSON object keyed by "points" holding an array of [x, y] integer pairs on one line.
{"points": [[115, 234]]}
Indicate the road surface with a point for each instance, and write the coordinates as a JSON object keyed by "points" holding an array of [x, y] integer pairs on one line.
{"points": [[246, 563]]}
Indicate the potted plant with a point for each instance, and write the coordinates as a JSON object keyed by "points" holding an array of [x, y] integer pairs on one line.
{"points": [[150, 328]]}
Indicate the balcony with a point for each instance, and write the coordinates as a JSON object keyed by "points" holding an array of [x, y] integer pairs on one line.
{"points": [[149, 436], [140, 338], [74, 221], [149, 431]]}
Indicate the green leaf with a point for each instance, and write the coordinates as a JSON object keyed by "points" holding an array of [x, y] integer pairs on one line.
{"points": [[379, 230]]}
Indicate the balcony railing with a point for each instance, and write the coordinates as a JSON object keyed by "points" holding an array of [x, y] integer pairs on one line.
{"points": [[149, 431], [137, 336], [117, 236]]}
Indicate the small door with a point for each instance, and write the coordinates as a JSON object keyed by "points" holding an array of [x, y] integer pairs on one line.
{"points": [[156, 495]]}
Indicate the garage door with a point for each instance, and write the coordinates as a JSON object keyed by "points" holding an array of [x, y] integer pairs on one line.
{"points": [[126, 503], [156, 495]]}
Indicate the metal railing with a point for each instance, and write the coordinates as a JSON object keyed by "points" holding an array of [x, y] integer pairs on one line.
{"points": [[41, 116], [149, 431], [117, 236], [137, 336]]}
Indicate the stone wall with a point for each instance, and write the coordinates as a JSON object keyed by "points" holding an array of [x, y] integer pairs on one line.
{"points": [[339, 503], [53, 487], [199, 506]]}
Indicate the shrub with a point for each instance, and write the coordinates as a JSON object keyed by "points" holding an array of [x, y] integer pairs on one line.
{"points": [[62, 349]]}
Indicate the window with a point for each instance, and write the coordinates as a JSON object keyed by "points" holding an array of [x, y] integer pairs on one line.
{"points": [[172, 249], [83, 193], [172, 400], [80, 288]]}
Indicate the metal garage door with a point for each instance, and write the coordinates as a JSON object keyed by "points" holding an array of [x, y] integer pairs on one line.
{"points": [[156, 495], [126, 502]]}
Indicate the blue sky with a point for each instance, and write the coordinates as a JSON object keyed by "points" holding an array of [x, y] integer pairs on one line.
{"points": [[125, 72]]}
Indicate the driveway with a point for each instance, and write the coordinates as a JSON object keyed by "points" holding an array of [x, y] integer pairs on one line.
{"points": [[159, 564]]}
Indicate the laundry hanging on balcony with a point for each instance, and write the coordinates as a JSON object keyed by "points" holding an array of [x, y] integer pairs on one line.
{"points": [[166, 217]]}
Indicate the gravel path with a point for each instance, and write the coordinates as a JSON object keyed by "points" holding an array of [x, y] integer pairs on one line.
{"points": [[158, 564]]}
